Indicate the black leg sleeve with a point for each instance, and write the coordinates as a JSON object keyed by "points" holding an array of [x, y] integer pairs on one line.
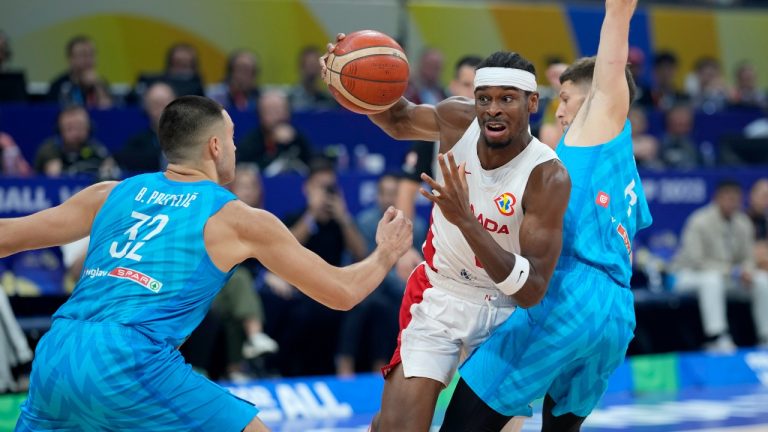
{"points": [[468, 413]]}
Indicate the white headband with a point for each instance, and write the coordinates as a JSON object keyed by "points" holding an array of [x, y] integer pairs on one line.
{"points": [[507, 77]]}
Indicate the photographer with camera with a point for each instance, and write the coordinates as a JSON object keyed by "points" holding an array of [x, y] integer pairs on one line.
{"points": [[303, 328]]}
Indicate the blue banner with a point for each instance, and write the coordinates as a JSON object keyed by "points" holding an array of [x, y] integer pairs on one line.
{"points": [[308, 402], [295, 400]]}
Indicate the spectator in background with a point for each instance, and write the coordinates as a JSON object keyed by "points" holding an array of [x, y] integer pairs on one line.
{"points": [[304, 328], [72, 151], [706, 86], [717, 255], [677, 147], [310, 93], [463, 82], [5, 51], [239, 91], [13, 83], [662, 94], [141, 153], [81, 83], [758, 208], [758, 213], [369, 330], [636, 61], [181, 73], [14, 350], [12, 162], [644, 145], [426, 87], [275, 145], [747, 92], [237, 305]]}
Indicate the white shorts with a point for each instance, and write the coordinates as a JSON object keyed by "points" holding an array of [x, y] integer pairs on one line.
{"points": [[441, 325]]}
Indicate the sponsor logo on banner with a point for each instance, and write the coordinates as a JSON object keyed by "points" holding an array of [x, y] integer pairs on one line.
{"points": [[758, 362], [296, 401], [506, 203], [147, 282]]}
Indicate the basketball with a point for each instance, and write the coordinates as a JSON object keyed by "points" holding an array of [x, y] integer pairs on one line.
{"points": [[367, 72]]}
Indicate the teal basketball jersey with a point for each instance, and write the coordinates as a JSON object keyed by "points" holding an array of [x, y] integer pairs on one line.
{"points": [[607, 205], [147, 266]]}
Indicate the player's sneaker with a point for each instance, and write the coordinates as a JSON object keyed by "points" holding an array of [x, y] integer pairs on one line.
{"points": [[259, 344], [722, 345]]}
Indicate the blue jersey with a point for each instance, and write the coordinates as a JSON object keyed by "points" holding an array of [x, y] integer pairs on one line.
{"points": [[585, 314], [147, 266], [607, 205]]}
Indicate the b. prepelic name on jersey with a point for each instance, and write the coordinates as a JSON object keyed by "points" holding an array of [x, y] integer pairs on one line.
{"points": [[147, 282]]}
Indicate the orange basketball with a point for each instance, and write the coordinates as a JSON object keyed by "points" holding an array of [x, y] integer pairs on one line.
{"points": [[367, 72]]}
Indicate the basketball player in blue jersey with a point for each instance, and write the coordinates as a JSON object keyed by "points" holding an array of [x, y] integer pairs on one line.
{"points": [[162, 245], [566, 348]]}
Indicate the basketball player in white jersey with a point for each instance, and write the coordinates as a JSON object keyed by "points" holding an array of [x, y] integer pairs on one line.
{"points": [[495, 235], [422, 158]]}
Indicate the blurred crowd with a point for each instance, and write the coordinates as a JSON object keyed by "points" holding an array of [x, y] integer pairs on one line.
{"points": [[260, 325]]}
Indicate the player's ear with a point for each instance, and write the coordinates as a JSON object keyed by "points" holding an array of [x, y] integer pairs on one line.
{"points": [[214, 146], [533, 102]]}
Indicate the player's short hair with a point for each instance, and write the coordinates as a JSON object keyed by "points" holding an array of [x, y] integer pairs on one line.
{"points": [[506, 59], [582, 70], [468, 60], [182, 123]]}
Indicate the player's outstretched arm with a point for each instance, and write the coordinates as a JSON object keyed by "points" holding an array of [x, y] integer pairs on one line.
{"points": [[65, 223], [259, 234], [525, 277], [607, 106]]}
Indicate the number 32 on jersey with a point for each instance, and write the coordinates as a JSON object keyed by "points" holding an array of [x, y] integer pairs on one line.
{"points": [[131, 248]]}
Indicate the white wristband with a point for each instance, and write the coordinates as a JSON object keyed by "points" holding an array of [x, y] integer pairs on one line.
{"points": [[517, 276]]}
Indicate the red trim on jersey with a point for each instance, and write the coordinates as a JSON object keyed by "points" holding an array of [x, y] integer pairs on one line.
{"points": [[428, 250], [418, 282]]}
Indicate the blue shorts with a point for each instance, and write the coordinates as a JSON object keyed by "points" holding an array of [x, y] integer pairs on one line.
{"points": [[567, 346], [101, 376]]}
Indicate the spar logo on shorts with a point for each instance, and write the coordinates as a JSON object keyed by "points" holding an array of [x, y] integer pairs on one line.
{"points": [[505, 203], [603, 199], [147, 282]]}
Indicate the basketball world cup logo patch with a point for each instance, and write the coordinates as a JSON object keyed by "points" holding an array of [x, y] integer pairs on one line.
{"points": [[506, 203]]}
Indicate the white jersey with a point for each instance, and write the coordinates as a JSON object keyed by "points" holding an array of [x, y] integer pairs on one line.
{"points": [[496, 198]]}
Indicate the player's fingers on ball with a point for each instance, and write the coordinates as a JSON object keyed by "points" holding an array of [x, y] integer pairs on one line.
{"points": [[340, 36]]}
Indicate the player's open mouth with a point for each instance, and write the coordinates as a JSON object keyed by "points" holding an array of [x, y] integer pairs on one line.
{"points": [[494, 129]]}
